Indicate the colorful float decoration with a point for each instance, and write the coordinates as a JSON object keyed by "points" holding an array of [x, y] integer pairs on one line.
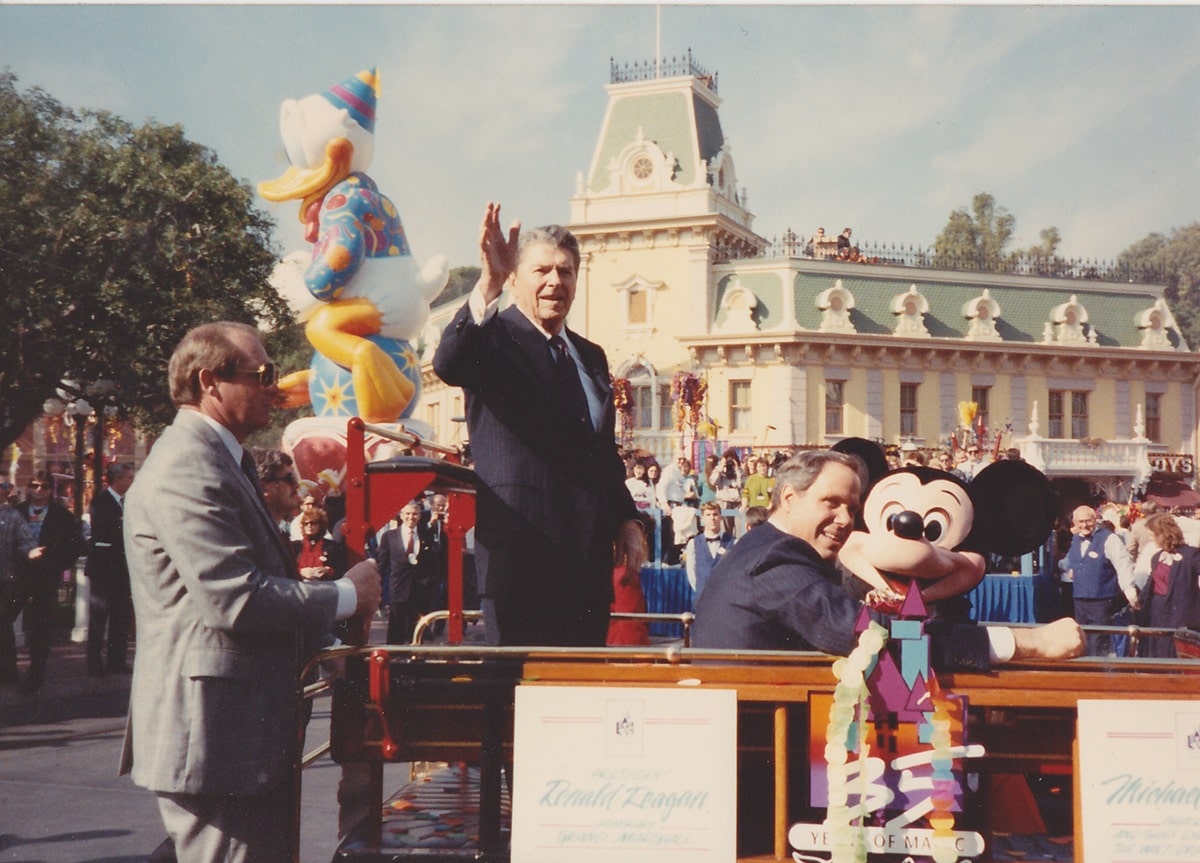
{"points": [[973, 430], [361, 295]]}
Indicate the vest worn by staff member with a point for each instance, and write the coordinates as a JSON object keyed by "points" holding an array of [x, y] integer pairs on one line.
{"points": [[704, 559], [1095, 576]]}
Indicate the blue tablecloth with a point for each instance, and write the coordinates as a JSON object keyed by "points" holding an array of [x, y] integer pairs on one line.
{"points": [[1004, 598], [667, 592]]}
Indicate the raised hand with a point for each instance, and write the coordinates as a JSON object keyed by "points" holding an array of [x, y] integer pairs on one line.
{"points": [[497, 253]]}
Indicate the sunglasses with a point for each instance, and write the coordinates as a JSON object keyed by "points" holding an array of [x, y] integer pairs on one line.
{"points": [[38, 486], [266, 374], [288, 478]]}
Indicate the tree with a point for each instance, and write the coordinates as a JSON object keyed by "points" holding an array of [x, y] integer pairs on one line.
{"points": [[114, 241], [1176, 259], [975, 240]]}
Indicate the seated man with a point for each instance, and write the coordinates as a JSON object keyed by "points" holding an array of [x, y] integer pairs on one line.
{"points": [[778, 587]]}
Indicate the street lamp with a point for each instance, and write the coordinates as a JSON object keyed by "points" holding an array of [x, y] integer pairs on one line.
{"points": [[70, 404]]}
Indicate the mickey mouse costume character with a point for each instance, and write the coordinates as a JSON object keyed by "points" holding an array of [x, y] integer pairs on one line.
{"points": [[929, 527], [779, 589]]}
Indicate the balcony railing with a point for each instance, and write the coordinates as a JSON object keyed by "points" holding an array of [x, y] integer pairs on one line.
{"points": [[1089, 457], [791, 245], [672, 68]]}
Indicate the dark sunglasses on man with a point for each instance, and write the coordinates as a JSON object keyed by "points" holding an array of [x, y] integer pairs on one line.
{"points": [[266, 374]]}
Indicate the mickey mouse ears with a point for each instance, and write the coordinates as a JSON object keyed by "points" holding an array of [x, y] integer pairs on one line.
{"points": [[869, 451], [1014, 507]]}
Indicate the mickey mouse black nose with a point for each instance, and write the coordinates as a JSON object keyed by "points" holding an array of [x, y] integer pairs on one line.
{"points": [[906, 525]]}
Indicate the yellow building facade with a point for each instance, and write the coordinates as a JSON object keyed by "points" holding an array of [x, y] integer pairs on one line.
{"points": [[1089, 378]]}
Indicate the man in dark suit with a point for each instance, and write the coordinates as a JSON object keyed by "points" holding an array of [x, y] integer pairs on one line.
{"points": [[109, 603], [57, 533], [778, 588], [540, 419], [224, 622], [407, 558], [707, 547]]}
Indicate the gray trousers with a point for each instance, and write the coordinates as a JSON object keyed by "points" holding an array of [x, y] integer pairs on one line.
{"points": [[227, 828]]}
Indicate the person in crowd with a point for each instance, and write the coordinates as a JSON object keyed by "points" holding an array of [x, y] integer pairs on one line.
{"points": [[945, 462], [974, 463], [639, 486], [308, 502], [58, 532], [1013, 454], [844, 246], [434, 522], [653, 478], [319, 557], [817, 242], [408, 560], [691, 488], [1101, 574], [915, 458], [755, 516], [541, 420], [727, 479], [892, 458], [110, 604], [668, 553], [1171, 596], [704, 486], [671, 489], [280, 488], [706, 547], [757, 490], [628, 597], [673, 492], [778, 587], [17, 547], [434, 519], [224, 621]]}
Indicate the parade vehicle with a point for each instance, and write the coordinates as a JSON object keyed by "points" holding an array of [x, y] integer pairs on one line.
{"points": [[669, 752]]}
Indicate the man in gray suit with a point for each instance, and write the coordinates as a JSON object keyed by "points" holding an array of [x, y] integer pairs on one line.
{"points": [[224, 623]]}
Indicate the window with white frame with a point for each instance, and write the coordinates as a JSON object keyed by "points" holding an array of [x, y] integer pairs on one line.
{"points": [[739, 406], [835, 407], [1067, 414], [636, 296], [908, 410], [1154, 417]]}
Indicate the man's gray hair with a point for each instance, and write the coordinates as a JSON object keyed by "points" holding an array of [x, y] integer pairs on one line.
{"points": [[115, 470], [801, 470], [555, 235]]}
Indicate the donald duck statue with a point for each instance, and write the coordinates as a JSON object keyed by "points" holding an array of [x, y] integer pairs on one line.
{"points": [[367, 298]]}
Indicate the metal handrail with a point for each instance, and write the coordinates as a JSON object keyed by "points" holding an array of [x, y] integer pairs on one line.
{"points": [[411, 438], [685, 619]]}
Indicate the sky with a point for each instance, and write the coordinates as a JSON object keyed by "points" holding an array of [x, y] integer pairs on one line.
{"points": [[880, 118]]}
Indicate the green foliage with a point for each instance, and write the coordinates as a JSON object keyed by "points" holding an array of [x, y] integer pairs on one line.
{"points": [[458, 286], [114, 241], [975, 240], [1176, 257]]}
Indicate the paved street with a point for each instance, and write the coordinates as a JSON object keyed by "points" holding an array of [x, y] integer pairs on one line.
{"points": [[61, 800]]}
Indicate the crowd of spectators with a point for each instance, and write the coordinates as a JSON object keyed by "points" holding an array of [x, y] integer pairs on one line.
{"points": [[1122, 564]]}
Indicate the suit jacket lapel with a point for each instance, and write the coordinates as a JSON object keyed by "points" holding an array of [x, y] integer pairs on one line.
{"points": [[260, 506], [529, 344]]}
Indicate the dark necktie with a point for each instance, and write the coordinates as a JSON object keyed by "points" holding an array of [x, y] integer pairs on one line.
{"points": [[570, 388], [409, 547], [251, 471]]}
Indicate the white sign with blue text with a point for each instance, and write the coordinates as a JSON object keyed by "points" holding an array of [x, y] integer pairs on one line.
{"points": [[607, 773], [1139, 777]]}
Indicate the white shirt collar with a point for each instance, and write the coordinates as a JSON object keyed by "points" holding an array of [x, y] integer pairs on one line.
{"points": [[226, 436]]}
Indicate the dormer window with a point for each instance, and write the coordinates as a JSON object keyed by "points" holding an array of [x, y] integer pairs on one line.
{"points": [[637, 300]]}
